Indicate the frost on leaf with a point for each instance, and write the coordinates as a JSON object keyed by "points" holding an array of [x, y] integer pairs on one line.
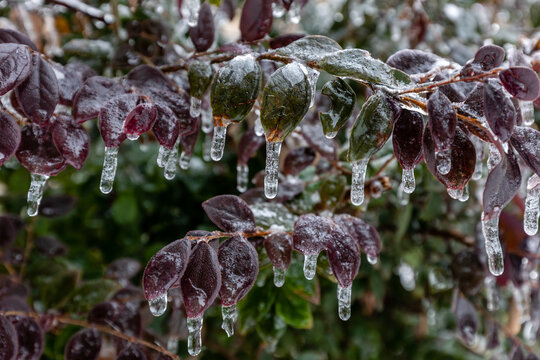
{"points": [[140, 120], [38, 153], [30, 337], [93, 95], [279, 249], [84, 345], [442, 120], [72, 140], [489, 57], [413, 61], [70, 79], [112, 117], [407, 138], [499, 110], [343, 99], [15, 37], [466, 320], [199, 76], [308, 48], [526, 141], [202, 34], [311, 233], [10, 138], [230, 213], [365, 235], [520, 81], [16, 66]]}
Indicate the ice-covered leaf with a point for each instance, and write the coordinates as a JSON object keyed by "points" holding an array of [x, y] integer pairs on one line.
{"points": [[313, 133], [489, 57], [526, 141], [140, 119], [256, 19], [104, 313], [279, 249], [200, 76], [268, 214], [234, 90], [16, 66], [499, 110], [311, 233], [284, 40], [343, 256], [132, 352], [502, 184], [71, 78], [15, 37], [298, 159], [365, 235], [474, 104], [189, 139], [521, 81], [239, 264], [112, 116], [123, 268], [343, 99], [30, 337], [248, 145], [285, 101], [230, 213], [166, 128], [165, 268], [50, 246], [83, 345], [9, 344], [442, 120], [201, 281], [57, 205], [93, 95], [38, 93], [359, 65], [72, 140], [308, 48], [372, 128], [407, 138], [11, 137], [37, 152], [202, 34], [413, 61], [466, 320]]}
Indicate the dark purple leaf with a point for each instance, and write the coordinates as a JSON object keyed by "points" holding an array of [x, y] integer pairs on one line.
{"points": [[248, 145], [343, 256], [16, 66], [492, 337], [57, 205], [37, 152], [466, 320], [526, 141], [84, 345], [38, 94], [516, 353], [489, 57], [298, 159], [72, 140], [516, 57], [284, 40], [502, 184], [129, 320], [11, 288], [132, 352], [165, 268], [256, 19], [520, 81], [239, 264], [166, 128], [10, 225], [15, 37], [230, 213], [499, 110], [112, 116], [312, 132], [123, 268], [11, 137], [71, 78], [288, 189], [407, 138], [201, 281], [140, 119], [104, 313], [50, 246], [279, 249], [202, 34], [412, 61], [442, 120], [474, 104], [189, 139], [311, 233], [365, 235], [467, 271], [30, 336], [93, 95], [9, 344]]}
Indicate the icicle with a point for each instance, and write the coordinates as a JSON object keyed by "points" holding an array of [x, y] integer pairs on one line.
{"points": [[109, 169], [194, 335], [313, 76], [170, 166], [490, 229], [407, 276], [403, 197], [279, 276], [35, 193], [184, 161], [277, 10], [195, 107], [372, 259], [259, 131], [444, 161], [407, 180], [331, 134], [229, 316], [459, 194], [207, 123], [271, 170], [207, 148], [163, 155], [310, 265], [494, 157], [492, 300], [530, 217], [190, 10], [294, 12], [158, 305], [527, 112], [344, 302], [218, 142], [359, 168], [172, 345], [242, 178], [132, 137]]}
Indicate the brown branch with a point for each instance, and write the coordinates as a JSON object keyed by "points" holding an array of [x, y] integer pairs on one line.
{"points": [[83, 8], [9, 268], [220, 234]]}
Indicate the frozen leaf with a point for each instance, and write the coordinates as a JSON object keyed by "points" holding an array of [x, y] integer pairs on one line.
{"points": [[407, 138], [308, 48], [279, 249], [140, 120], [343, 99], [93, 95], [166, 128], [442, 120], [526, 141], [202, 34], [123, 268], [256, 19], [16, 66], [343, 256], [132, 352], [15, 37], [311, 233], [312, 132], [84, 345], [37, 152], [248, 145], [298, 159], [268, 214], [189, 139], [50, 246], [30, 337], [489, 57], [72, 140], [474, 104], [104, 313], [71, 78], [284, 40], [499, 110], [112, 116], [466, 320], [11, 137], [413, 61], [57, 205], [365, 235], [521, 81], [502, 184], [200, 76], [8, 340], [230, 213]]}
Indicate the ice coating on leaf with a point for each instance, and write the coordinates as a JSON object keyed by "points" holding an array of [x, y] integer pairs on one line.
{"points": [[298, 159], [256, 19], [166, 128], [466, 320], [367, 237], [15, 37], [413, 61], [521, 81], [132, 352], [271, 175], [343, 99], [311, 234], [443, 160], [112, 116], [158, 305], [308, 48], [201, 281], [93, 95], [16, 66], [499, 110], [123, 269], [407, 138], [489, 57], [189, 140], [532, 211], [165, 268], [239, 264], [202, 34], [230, 213], [200, 76], [140, 120], [11, 137], [30, 337], [285, 101], [312, 132], [343, 256], [38, 93], [442, 120], [70, 79], [279, 249], [474, 104], [248, 145], [527, 112], [8, 340], [37, 152], [72, 140], [526, 141], [84, 345]]}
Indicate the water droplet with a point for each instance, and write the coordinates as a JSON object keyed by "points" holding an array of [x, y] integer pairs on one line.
{"points": [[344, 302], [459, 194], [294, 12], [331, 134], [310, 265], [35, 193], [242, 178], [402, 196], [170, 166], [184, 161], [109, 169], [271, 170], [357, 183], [163, 155], [372, 259], [527, 112], [195, 107], [132, 137], [490, 229], [218, 142], [407, 180], [279, 277], [207, 147], [313, 76], [229, 314], [444, 161], [530, 217], [194, 326], [258, 128], [158, 305], [190, 11]]}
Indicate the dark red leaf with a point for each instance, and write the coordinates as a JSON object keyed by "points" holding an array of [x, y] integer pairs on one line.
{"points": [[311, 233], [526, 141], [9, 343], [343, 256], [499, 110], [140, 119], [57, 205], [466, 320], [30, 336], [248, 145], [132, 352], [279, 249], [16, 66], [84, 345], [521, 81], [365, 235], [298, 159], [166, 128], [412, 61], [112, 116], [15, 37], [442, 120], [11, 137], [230, 213], [93, 95], [284, 40], [489, 57], [104, 313], [72, 140], [407, 138], [256, 19], [71, 78], [474, 104], [189, 139], [202, 34], [10, 225], [37, 152], [50, 246]]}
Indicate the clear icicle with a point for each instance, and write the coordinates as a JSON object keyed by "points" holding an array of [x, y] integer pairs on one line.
{"points": [[313, 76], [490, 229], [158, 305], [359, 168], [190, 10], [372, 259], [527, 112], [279, 277], [207, 148], [294, 12], [195, 107], [490, 286], [35, 193], [163, 155], [170, 166], [218, 142], [109, 169], [530, 217], [184, 161], [207, 123], [444, 161], [459, 194], [278, 10], [172, 345], [194, 335], [344, 302], [259, 131], [403, 197], [408, 181], [242, 178], [229, 314], [479, 166], [310, 265], [271, 170]]}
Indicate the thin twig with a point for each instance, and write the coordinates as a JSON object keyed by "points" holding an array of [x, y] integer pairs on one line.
{"points": [[83, 8], [219, 234], [9, 268]]}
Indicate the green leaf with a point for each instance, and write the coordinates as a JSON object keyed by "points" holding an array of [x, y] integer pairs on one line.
{"points": [[372, 128], [90, 293], [271, 328], [343, 99], [294, 310], [47, 277], [268, 214], [359, 65], [308, 48], [124, 209], [252, 308], [200, 76], [297, 283], [235, 89], [285, 101], [332, 191]]}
